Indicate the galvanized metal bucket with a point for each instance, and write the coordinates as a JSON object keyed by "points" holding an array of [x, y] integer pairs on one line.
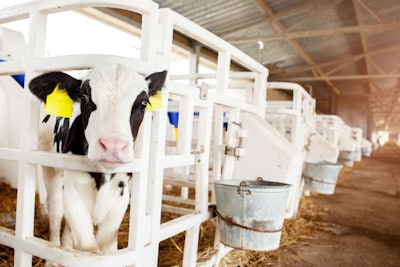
{"points": [[366, 151], [321, 177], [347, 158], [251, 213]]}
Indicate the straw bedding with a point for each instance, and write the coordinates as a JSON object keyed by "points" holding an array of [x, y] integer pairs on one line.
{"points": [[296, 232]]}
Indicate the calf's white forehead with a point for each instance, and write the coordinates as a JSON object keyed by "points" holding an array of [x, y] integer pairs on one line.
{"points": [[116, 81]]}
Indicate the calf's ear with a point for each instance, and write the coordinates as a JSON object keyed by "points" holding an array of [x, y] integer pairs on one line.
{"points": [[44, 85], [156, 81]]}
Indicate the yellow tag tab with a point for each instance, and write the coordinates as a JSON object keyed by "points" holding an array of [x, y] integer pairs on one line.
{"points": [[155, 102], [58, 103]]}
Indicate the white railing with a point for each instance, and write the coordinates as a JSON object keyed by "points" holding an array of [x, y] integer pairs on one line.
{"points": [[294, 118], [329, 126], [213, 126], [21, 238], [338, 133]]}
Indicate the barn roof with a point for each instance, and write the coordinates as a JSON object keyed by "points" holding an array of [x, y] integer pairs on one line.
{"points": [[338, 47]]}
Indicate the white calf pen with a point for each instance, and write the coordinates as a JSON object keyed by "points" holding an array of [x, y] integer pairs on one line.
{"points": [[221, 129]]}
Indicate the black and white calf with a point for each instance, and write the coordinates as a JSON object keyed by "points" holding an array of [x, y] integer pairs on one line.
{"points": [[112, 99]]}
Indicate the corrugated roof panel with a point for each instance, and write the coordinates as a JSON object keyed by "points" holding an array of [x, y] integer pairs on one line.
{"points": [[305, 35]]}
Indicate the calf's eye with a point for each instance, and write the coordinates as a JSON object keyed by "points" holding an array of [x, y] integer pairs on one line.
{"points": [[84, 98], [144, 104]]}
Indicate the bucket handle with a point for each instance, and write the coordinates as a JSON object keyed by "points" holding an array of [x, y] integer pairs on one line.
{"points": [[316, 180], [243, 190], [255, 229]]}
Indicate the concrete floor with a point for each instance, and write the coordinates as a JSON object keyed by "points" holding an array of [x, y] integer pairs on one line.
{"points": [[361, 220]]}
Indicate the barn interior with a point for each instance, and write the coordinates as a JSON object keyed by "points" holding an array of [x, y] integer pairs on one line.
{"points": [[344, 53]]}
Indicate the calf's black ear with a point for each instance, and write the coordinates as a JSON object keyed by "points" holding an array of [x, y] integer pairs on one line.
{"points": [[156, 81], [44, 85]]}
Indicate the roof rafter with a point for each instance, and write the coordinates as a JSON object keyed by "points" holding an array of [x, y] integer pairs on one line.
{"points": [[300, 50], [299, 9], [338, 77], [316, 33], [367, 58], [370, 10], [346, 59]]}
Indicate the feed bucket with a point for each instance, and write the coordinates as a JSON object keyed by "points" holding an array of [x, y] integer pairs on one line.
{"points": [[347, 163], [366, 151], [347, 158], [321, 177], [251, 213]]}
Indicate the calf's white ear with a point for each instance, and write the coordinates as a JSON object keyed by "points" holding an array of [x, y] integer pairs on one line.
{"points": [[45, 84], [156, 81]]}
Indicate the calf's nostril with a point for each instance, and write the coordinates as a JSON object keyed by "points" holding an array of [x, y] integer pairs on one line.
{"points": [[102, 143], [113, 144]]}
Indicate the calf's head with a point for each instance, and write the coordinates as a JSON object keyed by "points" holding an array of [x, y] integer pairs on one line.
{"points": [[112, 99]]}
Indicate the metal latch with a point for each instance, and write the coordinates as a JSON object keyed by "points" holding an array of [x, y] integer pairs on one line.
{"points": [[234, 151], [239, 150], [203, 91], [199, 155]]}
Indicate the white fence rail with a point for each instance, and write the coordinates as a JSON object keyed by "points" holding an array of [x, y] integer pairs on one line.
{"points": [[208, 145]]}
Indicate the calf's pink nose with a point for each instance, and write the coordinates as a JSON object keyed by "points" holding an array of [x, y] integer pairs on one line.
{"points": [[113, 144]]}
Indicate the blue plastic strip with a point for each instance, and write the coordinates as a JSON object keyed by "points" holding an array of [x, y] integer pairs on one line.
{"points": [[19, 78]]}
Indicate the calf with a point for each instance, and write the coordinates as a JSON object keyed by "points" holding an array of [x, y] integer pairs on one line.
{"points": [[112, 100]]}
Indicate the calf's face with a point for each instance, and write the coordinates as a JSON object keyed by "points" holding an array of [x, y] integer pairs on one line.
{"points": [[113, 99], [110, 96]]}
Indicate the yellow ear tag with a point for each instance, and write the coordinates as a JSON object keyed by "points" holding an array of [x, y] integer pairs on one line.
{"points": [[155, 102], [58, 103]]}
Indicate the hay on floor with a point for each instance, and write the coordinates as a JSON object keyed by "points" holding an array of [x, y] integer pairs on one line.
{"points": [[296, 232]]}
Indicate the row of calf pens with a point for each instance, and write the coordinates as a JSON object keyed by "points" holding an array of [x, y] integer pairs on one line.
{"points": [[222, 132]]}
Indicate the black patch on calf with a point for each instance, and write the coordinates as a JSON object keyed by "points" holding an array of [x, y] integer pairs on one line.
{"points": [[137, 112], [122, 185], [87, 105], [46, 119], [76, 142], [155, 83], [99, 179], [60, 132]]}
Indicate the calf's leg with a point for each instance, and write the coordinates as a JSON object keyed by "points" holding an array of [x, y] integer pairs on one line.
{"points": [[78, 197], [53, 181], [111, 204]]}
